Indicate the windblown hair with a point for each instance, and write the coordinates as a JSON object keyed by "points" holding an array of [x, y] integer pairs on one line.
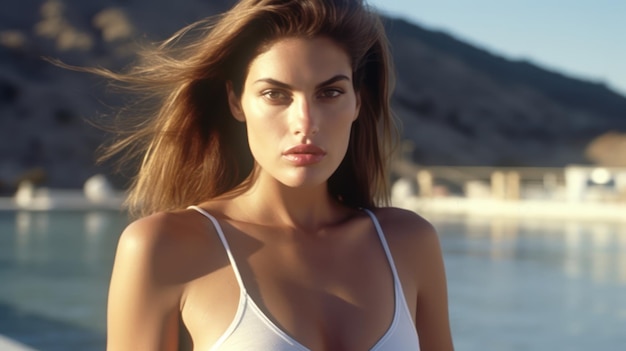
{"points": [[192, 149]]}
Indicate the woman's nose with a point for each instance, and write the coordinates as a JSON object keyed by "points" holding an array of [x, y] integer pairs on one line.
{"points": [[304, 119]]}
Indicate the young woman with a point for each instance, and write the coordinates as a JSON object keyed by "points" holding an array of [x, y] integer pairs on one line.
{"points": [[260, 193]]}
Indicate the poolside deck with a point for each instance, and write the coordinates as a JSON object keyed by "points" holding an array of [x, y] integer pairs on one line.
{"points": [[529, 209], [63, 200]]}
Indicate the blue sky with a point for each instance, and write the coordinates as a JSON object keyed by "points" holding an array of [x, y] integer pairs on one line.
{"points": [[581, 38]]}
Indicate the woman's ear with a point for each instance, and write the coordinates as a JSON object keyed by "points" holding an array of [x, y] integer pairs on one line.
{"points": [[358, 105], [234, 103]]}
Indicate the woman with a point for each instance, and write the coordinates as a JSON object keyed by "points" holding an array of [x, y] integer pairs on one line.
{"points": [[276, 243]]}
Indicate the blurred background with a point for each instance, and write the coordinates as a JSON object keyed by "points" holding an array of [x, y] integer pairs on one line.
{"points": [[513, 118]]}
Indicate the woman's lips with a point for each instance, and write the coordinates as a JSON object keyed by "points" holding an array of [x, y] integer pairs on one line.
{"points": [[304, 155]]}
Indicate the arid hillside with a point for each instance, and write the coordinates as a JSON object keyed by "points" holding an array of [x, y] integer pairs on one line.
{"points": [[459, 105]]}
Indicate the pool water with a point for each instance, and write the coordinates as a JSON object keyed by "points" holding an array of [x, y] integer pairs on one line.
{"points": [[536, 285], [513, 284], [54, 272]]}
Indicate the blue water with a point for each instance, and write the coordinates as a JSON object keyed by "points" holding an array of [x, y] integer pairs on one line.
{"points": [[513, 284], [536, 285], [54, 272]]}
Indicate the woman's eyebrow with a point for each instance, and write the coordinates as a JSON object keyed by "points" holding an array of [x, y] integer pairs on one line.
{"points": [[289, 87], [333, 80]]}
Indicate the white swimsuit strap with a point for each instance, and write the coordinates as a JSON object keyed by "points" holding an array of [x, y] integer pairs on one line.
{"points": [[381, 236], [220, 233]]}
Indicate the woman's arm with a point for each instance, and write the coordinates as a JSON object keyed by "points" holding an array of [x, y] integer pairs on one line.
{"points": [[416, 250], [431, 318], [144, 296]]}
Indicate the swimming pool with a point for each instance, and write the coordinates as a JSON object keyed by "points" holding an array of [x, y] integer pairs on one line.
{"points": [[513, 284], [54, 269]]}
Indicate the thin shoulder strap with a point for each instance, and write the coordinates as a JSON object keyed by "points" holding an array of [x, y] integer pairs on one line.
{"points": [[381, 236], [220, 233]]}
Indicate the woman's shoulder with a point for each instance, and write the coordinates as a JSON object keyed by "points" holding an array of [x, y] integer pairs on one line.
{"points": [[161, 230], [414, 244], [157, 259], [169, 243], [405, 223], [409, 235]]}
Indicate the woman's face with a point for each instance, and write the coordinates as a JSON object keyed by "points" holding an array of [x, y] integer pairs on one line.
{"points": [[298, 103]]}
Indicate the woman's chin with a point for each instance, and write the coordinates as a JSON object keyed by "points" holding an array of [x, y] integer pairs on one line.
{"points": [[304, 179]]}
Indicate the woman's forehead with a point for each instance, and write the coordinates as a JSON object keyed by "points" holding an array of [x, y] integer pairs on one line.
{"points": [[300, 60]]}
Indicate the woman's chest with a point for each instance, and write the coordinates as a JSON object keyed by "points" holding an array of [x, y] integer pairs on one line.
{"points": [[322, 301]]}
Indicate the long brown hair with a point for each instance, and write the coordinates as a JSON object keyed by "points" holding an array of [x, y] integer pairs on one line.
{"points": [[190, 146]]}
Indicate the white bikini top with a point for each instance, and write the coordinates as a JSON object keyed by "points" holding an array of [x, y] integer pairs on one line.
{"points": [[251, 329]]}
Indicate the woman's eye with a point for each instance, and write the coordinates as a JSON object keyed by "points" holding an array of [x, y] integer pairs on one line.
{"points": [[274, 95], [331, 93]]}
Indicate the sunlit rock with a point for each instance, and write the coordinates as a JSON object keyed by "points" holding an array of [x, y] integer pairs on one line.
{"points": [[114, 24], [97, 189], [13, 39], [25, 194], [401, 190]]}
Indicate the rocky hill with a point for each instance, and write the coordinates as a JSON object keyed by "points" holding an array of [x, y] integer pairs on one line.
{"points": [[459, 105], [463, 105]]}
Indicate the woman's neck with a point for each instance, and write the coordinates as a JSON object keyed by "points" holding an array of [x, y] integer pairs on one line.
{"points": [[307, 208]]}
